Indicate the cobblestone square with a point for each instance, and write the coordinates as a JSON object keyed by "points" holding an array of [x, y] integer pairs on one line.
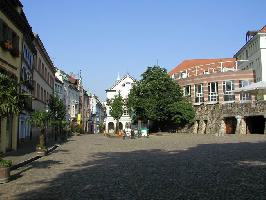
{"points": [[159, 167]]}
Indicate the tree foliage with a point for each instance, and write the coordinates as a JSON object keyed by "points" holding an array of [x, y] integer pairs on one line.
{"points": [[117, 110], [39, 119], [57, 114], [57, 108], [117, 107], [11, 100], [158, 98]]}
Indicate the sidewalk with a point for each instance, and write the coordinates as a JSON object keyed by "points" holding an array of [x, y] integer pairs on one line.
{"points": [[26, 151]]}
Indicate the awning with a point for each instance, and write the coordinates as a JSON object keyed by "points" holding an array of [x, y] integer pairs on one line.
{"points": [[254, 88]]}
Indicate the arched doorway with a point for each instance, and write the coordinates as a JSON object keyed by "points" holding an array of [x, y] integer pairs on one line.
{"points": [[127, 125], [111, 127], [230, 125], [255, 124], [120, 126]]}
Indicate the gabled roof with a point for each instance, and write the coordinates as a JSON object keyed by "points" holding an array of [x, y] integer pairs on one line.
{"points": [[123, 78], [263, 30], [186, 64]]}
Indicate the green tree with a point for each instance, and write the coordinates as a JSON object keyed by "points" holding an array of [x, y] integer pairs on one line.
{"points": [[57, 113], [158, 98], [40, 120], [11, 100], [117, 110]]}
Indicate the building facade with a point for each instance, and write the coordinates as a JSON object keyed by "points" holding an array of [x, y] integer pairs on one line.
{"points": [[97, 115], [122, 86], [28, 57], [211, 81], [13, 25], [209, 85], [43, 77], [253, 54], [43, 81]]}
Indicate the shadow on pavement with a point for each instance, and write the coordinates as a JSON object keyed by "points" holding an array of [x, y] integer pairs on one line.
{"points": [[207, 171]]}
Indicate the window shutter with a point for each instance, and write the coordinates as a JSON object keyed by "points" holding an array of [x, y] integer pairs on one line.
{"points": [[1, 30]]}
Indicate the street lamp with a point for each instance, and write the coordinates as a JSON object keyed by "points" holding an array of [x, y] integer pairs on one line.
{"points": [[46, 123]]}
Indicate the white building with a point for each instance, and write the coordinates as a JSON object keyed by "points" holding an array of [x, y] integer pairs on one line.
{"points": [[253, 54], [122, 86]]}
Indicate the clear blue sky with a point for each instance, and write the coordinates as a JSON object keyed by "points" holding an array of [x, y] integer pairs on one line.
{"points": [[104, 37]]}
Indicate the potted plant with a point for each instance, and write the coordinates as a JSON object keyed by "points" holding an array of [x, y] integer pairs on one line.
{"points": [[40, 120], [7, 45], [4, 170]]}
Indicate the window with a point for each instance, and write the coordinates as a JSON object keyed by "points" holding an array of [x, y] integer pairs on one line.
{"points": [[228, 88], [15, 41], [42, 69], [41, 94], [199, 93], [125, 112], [38, 91], [44, 98], [186, 90], [45, 75], [244, 96], [73, 111], [213, 92], [39, 65]]}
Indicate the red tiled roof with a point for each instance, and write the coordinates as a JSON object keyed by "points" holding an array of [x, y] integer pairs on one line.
{"points": [[72, 80], [263, 30], [203, 63]]}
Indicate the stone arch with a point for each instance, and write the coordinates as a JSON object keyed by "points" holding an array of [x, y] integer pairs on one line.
{"points": [[111, 127]]}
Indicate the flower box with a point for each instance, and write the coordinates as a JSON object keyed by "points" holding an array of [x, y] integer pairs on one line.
{"points": [[7, 45]]}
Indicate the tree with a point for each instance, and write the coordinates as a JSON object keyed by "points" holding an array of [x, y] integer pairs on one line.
{"points": [[11, 100], [158, 98], [57, 113], [117, 109], [40, 120]]}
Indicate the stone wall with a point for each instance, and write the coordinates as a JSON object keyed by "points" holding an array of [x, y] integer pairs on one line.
{"points": [[210, 118]]}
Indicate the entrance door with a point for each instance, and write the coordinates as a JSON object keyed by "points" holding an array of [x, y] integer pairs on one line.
{"points": [[230, 125]]}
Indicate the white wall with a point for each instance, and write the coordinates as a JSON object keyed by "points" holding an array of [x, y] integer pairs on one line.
{"points": [[256, 49]]}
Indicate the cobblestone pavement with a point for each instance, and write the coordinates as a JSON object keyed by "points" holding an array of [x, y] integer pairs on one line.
{"points": [[159, 167]]}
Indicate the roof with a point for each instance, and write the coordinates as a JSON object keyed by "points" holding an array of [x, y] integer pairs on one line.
{"points": [[263, 30], [123, 78], [203, 63]]}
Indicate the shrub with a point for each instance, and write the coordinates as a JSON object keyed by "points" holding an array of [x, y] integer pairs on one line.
{"points": [[5, 163]]}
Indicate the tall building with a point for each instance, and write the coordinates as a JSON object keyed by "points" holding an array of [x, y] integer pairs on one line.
{"points": [[121, 86], [26, 74], [13, 28], [43, 76], [43, 79], [253, 54]]}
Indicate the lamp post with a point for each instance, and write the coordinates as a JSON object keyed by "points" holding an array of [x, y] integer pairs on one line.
{"points": [[46, 124]]}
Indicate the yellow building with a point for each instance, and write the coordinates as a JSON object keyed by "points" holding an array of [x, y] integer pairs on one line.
{"points": [[12, 26]]}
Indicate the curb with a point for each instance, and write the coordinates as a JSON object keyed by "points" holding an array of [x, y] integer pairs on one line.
{"points": [[26, 162]]}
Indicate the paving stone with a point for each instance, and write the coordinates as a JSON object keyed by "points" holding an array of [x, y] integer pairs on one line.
{"points": [[160, 167]]}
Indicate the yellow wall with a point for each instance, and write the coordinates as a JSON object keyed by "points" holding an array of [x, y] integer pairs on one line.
{"points": [[15, 62], [5, 55]]}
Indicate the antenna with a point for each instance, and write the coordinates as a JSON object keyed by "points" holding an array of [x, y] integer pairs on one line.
{"points": [[157, 62]]}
